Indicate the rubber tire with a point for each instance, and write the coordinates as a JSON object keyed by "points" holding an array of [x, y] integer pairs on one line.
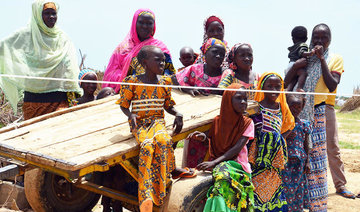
{"points": [[189, 194], [40, 197]]}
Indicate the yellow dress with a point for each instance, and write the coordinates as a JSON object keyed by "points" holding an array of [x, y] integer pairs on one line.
{"points": [[156, 158]]}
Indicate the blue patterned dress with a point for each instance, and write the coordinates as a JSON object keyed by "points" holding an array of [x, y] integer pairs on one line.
{"points": [[294, 178], [268, 156]]}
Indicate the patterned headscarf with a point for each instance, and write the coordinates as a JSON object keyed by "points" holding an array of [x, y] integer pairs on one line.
{"points": [[210, 43], [85, 72], [288, 121], [231, 56], [49, 5]]}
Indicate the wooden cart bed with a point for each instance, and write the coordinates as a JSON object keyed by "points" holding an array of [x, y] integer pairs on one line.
{"points": [[92, 134]]}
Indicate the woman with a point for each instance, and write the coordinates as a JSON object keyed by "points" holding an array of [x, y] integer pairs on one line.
{"points": [[324, 73], [231, 130], [123, 62], [213, 28], [39, 50]]}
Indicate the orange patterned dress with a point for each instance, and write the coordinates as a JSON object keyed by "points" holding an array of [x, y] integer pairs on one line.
{"points": [[156, 158]]}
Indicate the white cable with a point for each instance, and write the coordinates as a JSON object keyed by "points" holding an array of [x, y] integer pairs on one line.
{"points": [[171, 86]]}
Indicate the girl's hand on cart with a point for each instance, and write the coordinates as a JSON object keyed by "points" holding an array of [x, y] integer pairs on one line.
{"points": [[132, 119], [178, 124], [198, 136]]}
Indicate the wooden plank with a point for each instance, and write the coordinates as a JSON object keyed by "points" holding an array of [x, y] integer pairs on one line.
{"points": [[100, 140]]}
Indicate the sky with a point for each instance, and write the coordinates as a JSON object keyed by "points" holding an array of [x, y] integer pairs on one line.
{"points": [[98, 26]]}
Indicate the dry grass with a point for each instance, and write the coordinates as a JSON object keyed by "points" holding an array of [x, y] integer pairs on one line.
{"points": [[353, 102], [7, 115]]}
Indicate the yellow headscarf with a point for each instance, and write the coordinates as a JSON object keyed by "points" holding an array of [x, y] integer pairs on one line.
{"points": [[288, 121], [37, 51]]}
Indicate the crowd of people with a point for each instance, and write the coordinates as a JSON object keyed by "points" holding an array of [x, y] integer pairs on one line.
{"points": [[275, 160]]}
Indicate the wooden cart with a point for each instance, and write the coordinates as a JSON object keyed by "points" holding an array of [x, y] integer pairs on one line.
{"points": [[66, 154]]}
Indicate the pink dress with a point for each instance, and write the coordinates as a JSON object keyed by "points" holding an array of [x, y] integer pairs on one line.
{"points": [[242, 157], [194, 76]]}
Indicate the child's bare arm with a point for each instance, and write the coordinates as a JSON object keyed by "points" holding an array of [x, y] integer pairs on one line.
{"points": [[131, 116], [308, 54], [178, 122], [229, 155]]}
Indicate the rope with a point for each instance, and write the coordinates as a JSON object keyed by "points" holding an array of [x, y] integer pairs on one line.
{"points": [[172, 86]]}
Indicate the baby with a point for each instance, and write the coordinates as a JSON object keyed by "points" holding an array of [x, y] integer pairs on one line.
{"points": [[187, 57], [299, 50]]}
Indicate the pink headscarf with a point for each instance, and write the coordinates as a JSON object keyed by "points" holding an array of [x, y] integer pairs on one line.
{"points": [[120, 60]]}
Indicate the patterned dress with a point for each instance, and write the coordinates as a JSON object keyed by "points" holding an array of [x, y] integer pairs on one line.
{"points": [[294, 177], [156, 158], [232, 190], [317, 178], [194, 76], [228, 77], [268, 156]]}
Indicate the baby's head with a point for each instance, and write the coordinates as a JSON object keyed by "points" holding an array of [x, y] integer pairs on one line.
{"points": [[88, 87], [299, 34], [152, 59], [187, 56], [296, 103], [214, 51], [105, 92]]}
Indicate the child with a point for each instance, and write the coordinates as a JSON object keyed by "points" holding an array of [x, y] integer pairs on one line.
{"points": [[204, 75], [146, 119], [105, 92], [240, 61], [88, 87], [294, 177], [187, 57], [268, 152], [231, 130], [299, 50]]}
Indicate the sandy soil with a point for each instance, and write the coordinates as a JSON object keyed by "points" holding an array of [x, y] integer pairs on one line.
{"points": [[336, 203]]}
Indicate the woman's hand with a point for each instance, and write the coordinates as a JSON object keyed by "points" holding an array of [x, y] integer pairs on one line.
{"points": [[198, 136], [319, 51], [178, 124], [206, 166]]}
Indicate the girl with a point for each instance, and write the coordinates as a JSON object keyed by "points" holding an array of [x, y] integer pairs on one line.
{"points": [[240, 61], [124, 62], [294, 177], [233, 190], [268, 152], [213, 28], [40, 50], [89, 88], [204, 75], [146, 119]]}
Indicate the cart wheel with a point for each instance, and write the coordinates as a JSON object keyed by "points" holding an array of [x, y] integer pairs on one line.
{"points": [[189, 195], [49, 192]]}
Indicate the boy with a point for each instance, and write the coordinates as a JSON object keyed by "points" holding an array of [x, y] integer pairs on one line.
{"points": [[299, 50]]}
